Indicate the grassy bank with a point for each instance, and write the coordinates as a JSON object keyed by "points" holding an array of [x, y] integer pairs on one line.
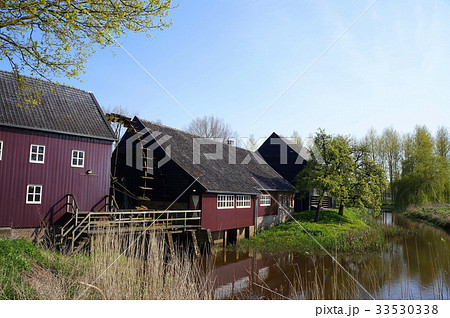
{"points": [[142, 271], [437, 214], [353, 232]]}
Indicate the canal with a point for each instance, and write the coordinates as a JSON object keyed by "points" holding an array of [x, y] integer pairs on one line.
{"points": [[413, 267]]}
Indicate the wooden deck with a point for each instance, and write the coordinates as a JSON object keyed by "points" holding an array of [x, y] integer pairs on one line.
{"points": [[84, 224]]}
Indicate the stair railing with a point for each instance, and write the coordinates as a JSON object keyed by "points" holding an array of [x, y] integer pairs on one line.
{"points": [[72, 206]]}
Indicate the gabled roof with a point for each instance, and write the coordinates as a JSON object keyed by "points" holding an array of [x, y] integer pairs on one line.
{"points": [[60, 109], [219, 175], [303, 152]]}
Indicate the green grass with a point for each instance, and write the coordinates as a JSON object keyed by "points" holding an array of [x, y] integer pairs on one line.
{"points": [[437, 214], [353, 232], [16, 256]]}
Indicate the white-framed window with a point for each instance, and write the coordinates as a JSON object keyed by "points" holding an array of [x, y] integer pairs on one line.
{"points": [[1, 149], [225, 201], [77, 158], [34, 194], [280, 201], [243, 201], [292, 201], [265, 200], [37, 153]]}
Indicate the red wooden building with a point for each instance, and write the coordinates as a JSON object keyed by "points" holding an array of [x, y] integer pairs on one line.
{"points": [[235, 189], [60, 147]]}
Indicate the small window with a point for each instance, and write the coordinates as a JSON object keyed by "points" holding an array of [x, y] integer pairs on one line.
{"points": [[265, 200], [34, 194], [37, 154], [280, 201], [292, 201], [77, 158], [1, 149], [225, 201], [243, 201]]}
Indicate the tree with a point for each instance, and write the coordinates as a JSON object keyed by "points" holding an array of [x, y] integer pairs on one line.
{"points": [[55, 37], [391, 145], [343, 169], [296, 138], [443, 143], [369, 180], [252, 143], [425, 177], [211, 127], [321, 174]]}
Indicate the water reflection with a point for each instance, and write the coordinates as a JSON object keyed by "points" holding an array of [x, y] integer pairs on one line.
{"points": [[413, 267]]}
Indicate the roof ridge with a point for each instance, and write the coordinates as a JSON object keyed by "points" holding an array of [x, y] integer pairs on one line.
{"points": [[243, 152], [188, 133], [44, 81]]}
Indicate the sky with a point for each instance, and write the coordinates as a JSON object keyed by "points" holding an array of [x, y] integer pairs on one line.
{"points": [[234, 58]]}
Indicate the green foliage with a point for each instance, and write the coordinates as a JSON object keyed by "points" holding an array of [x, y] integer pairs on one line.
{"points": [[16, 256], [425, 174], [345, 170], [56, 37], [390, 151], [369, 180], [435, 214], [349, 233]]}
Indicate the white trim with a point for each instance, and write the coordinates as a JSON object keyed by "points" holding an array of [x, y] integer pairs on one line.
{"points": [[77, 159], [1, 149], [265, 197], [227, 199], [245, 199], [37, 154], [34, 194]]}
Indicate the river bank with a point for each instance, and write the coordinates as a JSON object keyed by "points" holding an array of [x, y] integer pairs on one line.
{"points": [[436, 214], [140, 272], [414, 266], [354, 232]]}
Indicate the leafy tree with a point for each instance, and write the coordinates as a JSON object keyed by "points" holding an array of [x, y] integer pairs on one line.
{"points": [[372, 142], [55, 37], [319, 174], [369, 180], [211, 127], [391, 145], [425, 176], [443, 143], [343, 170]]}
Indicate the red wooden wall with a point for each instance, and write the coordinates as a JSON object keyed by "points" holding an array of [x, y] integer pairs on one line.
{"points": [[56, 175], [223, 219]]}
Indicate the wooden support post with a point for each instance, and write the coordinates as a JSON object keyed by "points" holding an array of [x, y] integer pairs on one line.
{"points": [[171, 245], [209, 241], [225, 234], [195, 244]]}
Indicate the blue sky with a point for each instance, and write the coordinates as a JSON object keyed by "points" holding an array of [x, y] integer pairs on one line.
{"points": [[234, 58]]}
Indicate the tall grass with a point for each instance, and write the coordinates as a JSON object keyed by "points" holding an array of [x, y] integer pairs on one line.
{"points": [[126, 267]]}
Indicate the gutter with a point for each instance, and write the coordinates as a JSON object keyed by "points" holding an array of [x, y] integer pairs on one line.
{"points": [[57, 132]]}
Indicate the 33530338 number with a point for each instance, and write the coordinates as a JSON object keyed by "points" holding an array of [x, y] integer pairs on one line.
{"points": [[407, 309]]}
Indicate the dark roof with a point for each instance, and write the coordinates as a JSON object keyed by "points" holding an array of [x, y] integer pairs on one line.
{"points": [[59, 109], [299, 149], [219, 175]]}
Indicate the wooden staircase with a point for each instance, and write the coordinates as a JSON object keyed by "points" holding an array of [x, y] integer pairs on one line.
{"points": [[76, 233], [314, 201]]}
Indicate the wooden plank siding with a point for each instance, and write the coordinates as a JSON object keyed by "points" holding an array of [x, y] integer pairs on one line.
{"points": [[217, 219], [56, 175]]}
